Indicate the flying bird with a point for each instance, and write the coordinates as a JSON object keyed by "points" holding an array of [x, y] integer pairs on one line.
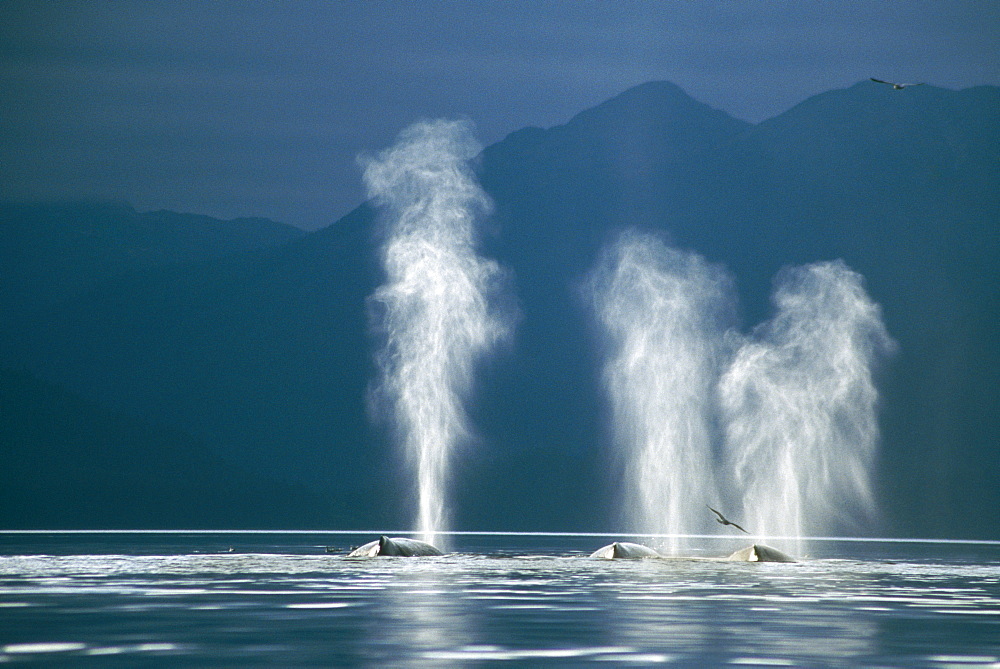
{"points": [[722, 520], [895, 86]]}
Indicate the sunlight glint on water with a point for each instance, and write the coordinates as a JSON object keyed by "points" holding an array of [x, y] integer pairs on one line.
{"points": [[281, 600]]}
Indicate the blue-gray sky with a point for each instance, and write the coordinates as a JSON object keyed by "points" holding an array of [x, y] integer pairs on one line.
{"points": [[260, 109]]}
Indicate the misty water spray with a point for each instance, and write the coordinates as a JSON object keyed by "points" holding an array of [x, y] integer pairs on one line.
{"points": [[437, 308], [663, 314], [799, 404], [777, 427]]}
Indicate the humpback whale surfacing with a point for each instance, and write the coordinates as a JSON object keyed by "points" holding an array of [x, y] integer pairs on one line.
{"points": [[397, 546], [623, 550], [759, 553]]}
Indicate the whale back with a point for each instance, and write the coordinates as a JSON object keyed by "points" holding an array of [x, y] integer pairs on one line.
{"points": [[370, 549], [623, 550], [395, 547], [759, 553], [403, 547]]}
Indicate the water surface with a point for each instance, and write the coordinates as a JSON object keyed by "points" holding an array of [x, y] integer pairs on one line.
{"points": [[185, 599]]}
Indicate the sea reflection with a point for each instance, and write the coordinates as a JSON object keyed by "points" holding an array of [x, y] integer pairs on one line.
{"points": [[727, 612], [471, 608], [526, 608], [417, 611]]}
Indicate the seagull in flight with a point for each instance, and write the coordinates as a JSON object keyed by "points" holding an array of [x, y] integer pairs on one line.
{"points": [[722, 520], [895, 86]]}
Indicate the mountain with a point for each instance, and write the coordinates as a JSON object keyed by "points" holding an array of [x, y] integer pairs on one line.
{"points": [[903, 189], [265, 355], [49, 252], [71, 464], [244, 353]]}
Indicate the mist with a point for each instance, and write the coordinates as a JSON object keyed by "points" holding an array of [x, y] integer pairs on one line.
{"points": [[799, 406], [438, 308], [663, 314], [777, 428]]}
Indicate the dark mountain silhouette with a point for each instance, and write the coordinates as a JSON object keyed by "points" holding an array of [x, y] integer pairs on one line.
{"points": [[265, 356], [68, 463], [49, 252]]}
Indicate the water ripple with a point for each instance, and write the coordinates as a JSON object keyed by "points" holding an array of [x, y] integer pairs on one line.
{"points": [[323, 610]]}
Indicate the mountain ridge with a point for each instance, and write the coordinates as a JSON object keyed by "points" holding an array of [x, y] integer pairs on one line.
{"points": [[52, 251], [267, 355], [180, 484]]}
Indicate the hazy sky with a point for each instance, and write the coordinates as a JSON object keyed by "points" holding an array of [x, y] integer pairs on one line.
{"points": [[260, 109]]}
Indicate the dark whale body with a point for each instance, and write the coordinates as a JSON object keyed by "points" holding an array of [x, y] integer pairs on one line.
{"points": [[622, 550], [397, 547], [759, 553]]}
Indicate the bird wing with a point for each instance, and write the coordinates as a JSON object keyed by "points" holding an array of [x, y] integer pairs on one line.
{"points": [[879, 81], [738, 527], [726, 521]]}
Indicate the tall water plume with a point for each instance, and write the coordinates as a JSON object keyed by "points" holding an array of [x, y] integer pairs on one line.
{"points": [[663, 313], [799, 405], [438, 307]]}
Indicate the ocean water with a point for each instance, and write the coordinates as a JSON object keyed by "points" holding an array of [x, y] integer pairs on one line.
{"points": [[185, 599]]}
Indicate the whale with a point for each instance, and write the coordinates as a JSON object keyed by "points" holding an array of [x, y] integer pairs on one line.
{"points": [[759, 553], [623, 550], [396, 547]]}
